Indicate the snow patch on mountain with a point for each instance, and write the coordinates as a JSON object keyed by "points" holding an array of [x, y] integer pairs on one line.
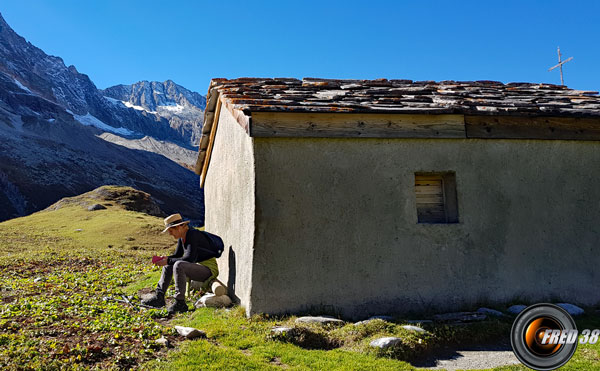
{"points": [[23, 87], [90, 120], [123, 103], [130, 105]]}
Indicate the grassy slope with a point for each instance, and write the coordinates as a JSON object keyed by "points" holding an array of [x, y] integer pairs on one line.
{"points": [[77, 257], [61, 320]]}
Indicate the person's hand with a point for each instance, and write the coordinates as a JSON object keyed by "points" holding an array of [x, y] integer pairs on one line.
{"points": [[162, 262]]}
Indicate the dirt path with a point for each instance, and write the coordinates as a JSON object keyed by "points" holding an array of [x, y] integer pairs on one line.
{"points": [[469, 358]]}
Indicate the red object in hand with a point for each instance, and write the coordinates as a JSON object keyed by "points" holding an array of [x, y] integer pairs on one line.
{"points": [[156, 259]]}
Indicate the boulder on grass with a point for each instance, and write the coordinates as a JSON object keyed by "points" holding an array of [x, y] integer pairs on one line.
{"points": [[95, 207], [285, 333], [190, 332], [383, 318], [278, 330], [319, 319], [386, 342], [415, 329], [213, 301], [163, 341]]}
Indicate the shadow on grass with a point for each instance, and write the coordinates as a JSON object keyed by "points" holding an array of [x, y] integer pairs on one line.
{"points": [[308, 338]]}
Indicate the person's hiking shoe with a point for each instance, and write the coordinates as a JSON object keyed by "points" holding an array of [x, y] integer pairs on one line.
{"points": [[156, 300], [178, 306]]}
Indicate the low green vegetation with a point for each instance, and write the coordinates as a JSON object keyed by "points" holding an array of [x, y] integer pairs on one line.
{"points": [[60, 271], [63, 269]]}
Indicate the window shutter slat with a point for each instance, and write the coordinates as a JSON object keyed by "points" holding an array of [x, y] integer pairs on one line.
{"points": [[429, 192]]}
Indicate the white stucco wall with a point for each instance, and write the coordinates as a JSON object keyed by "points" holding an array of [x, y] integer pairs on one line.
{"points": [[229, 205], [336, 223]]}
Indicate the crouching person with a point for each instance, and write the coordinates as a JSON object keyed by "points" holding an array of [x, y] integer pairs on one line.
{"points": [[194, 258]]}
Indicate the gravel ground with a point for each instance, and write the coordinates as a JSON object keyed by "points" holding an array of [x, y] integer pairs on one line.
{"points": [[469, 358]]}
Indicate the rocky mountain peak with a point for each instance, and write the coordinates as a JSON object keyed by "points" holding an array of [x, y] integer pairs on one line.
{"points": [[183, 108], [60, 135], [151, 95], [34, 73]]}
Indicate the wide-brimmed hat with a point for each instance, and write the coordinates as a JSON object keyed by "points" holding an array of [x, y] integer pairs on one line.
{"points": [[173, 221]]}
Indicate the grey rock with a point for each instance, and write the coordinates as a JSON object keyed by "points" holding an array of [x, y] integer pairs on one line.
{"points": [[319, 319], [213, 301], [281, 330], [79, 230], [460, 317], [491, 312], [95, 207], [383, 318], [386, 342], [415, 329], [516, 309], [190, 332], [573, 310], [163, 341]]}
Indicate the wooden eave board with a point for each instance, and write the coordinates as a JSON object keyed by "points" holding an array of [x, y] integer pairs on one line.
{"points": [[352, 125], [374, 125], [512, 127]]}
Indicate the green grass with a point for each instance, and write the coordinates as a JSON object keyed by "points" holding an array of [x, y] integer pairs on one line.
{"points": [[58, 265], [147, 280], [239, 343]]}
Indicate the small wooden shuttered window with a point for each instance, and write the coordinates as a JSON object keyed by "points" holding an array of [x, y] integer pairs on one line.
{"points": [[436, 197]]}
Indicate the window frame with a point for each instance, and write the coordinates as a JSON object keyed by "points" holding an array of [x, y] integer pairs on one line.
{"points": [[448, 194]]}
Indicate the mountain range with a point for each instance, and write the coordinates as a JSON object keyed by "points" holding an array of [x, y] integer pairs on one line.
{"points": [[60, 135]]}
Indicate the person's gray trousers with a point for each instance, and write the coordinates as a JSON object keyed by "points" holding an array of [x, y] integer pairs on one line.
{"points": [[182, 270]]}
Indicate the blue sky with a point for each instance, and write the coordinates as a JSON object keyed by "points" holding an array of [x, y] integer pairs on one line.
{"points": [[190, 42]]}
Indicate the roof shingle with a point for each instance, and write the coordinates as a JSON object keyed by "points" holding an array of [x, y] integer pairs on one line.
{"points": [[405, 96]]}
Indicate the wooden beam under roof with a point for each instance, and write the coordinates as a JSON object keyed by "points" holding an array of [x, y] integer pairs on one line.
{"points": [[352, 125], [511, 127]]}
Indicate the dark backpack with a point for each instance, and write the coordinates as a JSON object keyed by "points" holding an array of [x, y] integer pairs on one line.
{"points": [[216, 245]]}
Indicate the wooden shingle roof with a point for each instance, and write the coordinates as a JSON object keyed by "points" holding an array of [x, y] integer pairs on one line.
{"points": [[404, 96]]}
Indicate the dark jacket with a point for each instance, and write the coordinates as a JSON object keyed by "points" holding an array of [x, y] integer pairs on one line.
{"points": [[199, 246]]}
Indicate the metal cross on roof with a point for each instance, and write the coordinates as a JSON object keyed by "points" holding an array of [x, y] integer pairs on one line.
{"points": [[560, 63]]}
